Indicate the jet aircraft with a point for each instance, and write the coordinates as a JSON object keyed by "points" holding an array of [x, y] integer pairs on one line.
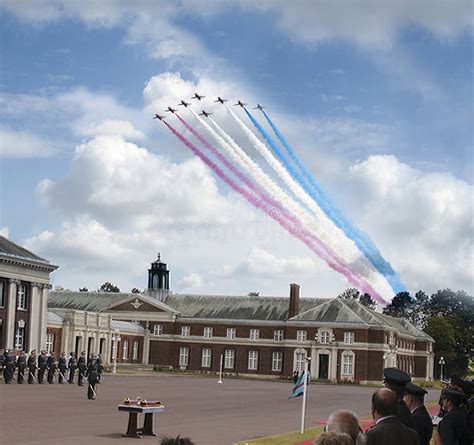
{"points": [[219, 99], [183, 103], [197, 96], [157, 116], [205, 114], [240, 104], [259, 107], [170, 110]]}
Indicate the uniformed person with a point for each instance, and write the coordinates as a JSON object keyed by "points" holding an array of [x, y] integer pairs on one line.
{"points": [[32, 367], [21, 365], [415, 400], [42, 366], [52, 366], [82, 367], [62, 366], [72, 366], [452, 430], [100, 368], [396, 380], [9, 366], [92, 374]]}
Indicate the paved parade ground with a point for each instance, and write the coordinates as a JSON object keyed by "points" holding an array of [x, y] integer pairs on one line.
{"points": [[198, 407]]}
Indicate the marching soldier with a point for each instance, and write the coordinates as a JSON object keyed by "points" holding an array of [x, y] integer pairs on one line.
{"points": [[21, 365], [100, 368], [82, 366], [396, 380], [453, 429], [52, 365], [415, 399], [93, 377], [62, 367], [32, 367], [72, 366], [8, 366], [42, 366]]}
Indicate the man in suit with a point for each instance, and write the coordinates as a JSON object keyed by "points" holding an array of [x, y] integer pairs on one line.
{"points": [[72, 365], [415, 400], [452, 430], [388, 429], [396, 380]]}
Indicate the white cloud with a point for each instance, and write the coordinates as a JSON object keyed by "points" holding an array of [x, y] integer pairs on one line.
{"points": [[22, 144], [115, 127], [5, 231], [191, 282]]}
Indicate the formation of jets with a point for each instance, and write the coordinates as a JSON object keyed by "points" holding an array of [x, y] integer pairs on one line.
{"points": [[199, 97]]}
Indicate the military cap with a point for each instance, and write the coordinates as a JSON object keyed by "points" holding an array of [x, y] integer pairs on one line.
{"points": [[33, 351], [415, 389], [456, 380], [396, 376], [453, 395]]}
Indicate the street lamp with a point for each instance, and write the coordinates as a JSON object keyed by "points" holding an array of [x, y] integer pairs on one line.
{"points": [[115, 339], [442, 362]]}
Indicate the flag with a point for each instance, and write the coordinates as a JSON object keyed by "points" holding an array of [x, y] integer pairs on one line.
{"points": [[298, 389]]}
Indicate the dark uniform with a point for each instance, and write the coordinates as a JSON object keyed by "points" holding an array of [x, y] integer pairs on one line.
{"points": [[62, 365], [8, 366], [32, 367], [52, 366], [100, 367], [42, 366], [82, 366], [93, 377], [21, 365], [421, 417], [453, 426], [396, 380], [72, 366]]}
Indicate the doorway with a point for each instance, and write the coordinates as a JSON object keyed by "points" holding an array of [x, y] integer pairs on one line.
{"points": [[323, 366]]}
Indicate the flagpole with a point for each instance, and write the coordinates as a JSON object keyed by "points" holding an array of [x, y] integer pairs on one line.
{"points": [[305, 390], [220, 371]]}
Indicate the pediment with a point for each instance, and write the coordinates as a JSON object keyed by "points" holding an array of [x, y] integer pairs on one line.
{"points": [[140, 303]]}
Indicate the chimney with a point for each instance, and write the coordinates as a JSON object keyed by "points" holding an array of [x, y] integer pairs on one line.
{"points": [[294, 308]]}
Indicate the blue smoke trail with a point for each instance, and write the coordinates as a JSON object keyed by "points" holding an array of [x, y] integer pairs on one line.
{"points": [[362, 241]]}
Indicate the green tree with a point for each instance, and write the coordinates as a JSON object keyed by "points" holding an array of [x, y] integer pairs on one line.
{"points": [[443, 333], [135, 290], [354, 294], [83, 289], [367, 301], [108, 287], [401, 306]]}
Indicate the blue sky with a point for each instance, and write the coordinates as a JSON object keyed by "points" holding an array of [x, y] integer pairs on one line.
{"points": [[376, 97]]}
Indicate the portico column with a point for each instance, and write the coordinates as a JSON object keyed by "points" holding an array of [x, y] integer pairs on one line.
{"points": [[11, 310], [314, 357], [43, 316], [333, 365], [146, 345], [33, 324]]}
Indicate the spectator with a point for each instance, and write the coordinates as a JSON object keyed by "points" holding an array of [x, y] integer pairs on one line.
{"points": [[343, 421], [388, 429], [333, 439], [177, 441]]}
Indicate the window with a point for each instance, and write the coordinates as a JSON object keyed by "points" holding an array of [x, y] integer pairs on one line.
{"points": [[135, 350], [301, 335], [230, 333], [300, 361], [277, 360], [183, 356], [2, 301], [347, 364], [278, 335], [49, 343], [208, 332], [21, 297], [206, 358], [19, 338], [158, 329], [253, 360], [348, 338], [324, 337], [185, 331], [229, 359], [254, 334], [125, 350]]}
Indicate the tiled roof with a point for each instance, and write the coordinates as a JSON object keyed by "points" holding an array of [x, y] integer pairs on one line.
{"points": [[14, 251], [126, 326], [55, 318], [85, 301]]}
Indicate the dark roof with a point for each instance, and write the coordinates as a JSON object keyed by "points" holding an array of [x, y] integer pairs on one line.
{"points": [[9, 248], [85, 301]]}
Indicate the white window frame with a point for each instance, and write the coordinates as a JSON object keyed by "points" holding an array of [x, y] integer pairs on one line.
{"points": [[254, 334], [208, 332], [125, 350], [229, 359], [183, 356], [349, 338], [231, 332], [278, 335], [158, 329], [324, 337], [277, 361], [206, 356], [347, 364], [185, 331], [135, 350], [252, 362], [19, 338], [21, 297], [300, 360], [49, 343], [301, 336]]}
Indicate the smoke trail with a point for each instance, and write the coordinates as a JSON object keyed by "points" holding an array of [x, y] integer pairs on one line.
{"points": [[362, 240], [317, 247]]}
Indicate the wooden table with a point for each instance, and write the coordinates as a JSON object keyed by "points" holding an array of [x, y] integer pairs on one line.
{"points": [[134, 410]]}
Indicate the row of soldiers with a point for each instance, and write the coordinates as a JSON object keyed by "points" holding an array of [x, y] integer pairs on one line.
{"points": [[35, 368]]}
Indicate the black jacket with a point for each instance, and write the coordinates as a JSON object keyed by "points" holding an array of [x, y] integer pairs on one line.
{"points": [[453, 428], [405, 415], [423, 424], [391, 431]]}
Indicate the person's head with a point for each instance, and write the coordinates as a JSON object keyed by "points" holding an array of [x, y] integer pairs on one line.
{"points": [[33, 352], [396, 380], [343, 421], [414, 396], [384, 403], [63, 354], [176, 441], [83, 353], [451, 399], [333, 439]]}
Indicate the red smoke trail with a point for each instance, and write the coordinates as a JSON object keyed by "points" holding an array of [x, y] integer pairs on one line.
{"points": [[314, 244]]}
